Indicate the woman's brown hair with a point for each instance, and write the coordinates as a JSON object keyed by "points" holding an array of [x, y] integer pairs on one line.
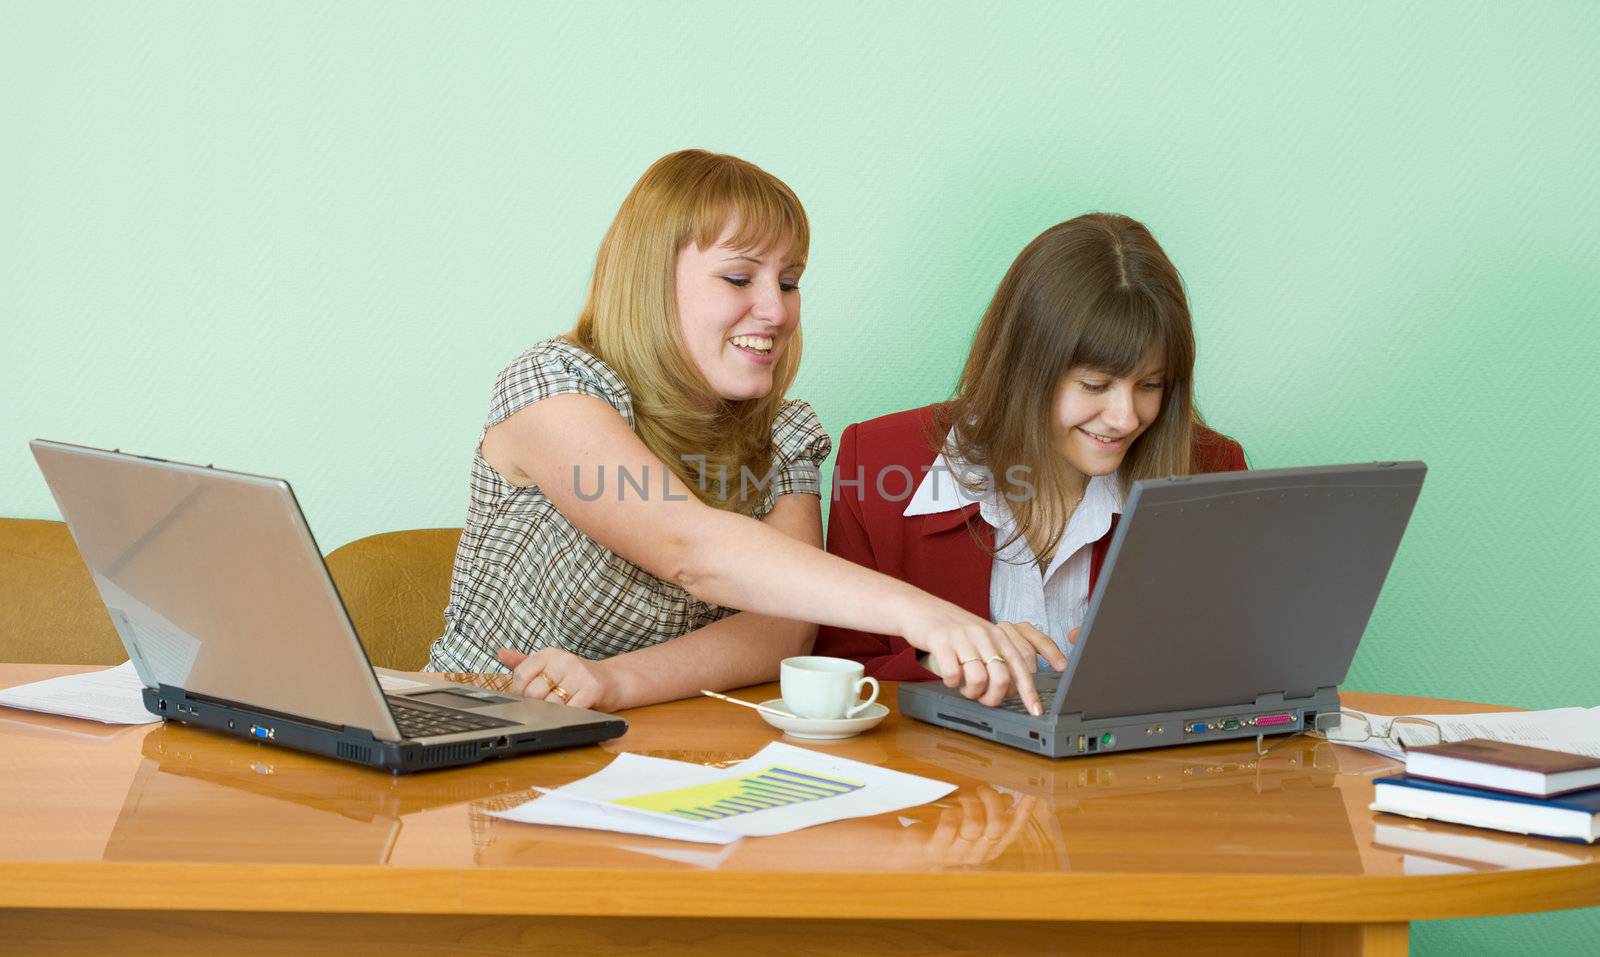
{"points": [[631, 318], [1097, 292]]}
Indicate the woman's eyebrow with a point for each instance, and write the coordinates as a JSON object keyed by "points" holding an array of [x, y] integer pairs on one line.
{"points": [[795, 264]]}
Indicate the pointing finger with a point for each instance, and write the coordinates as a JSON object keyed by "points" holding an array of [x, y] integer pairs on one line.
{"points": [[1020, 662]]}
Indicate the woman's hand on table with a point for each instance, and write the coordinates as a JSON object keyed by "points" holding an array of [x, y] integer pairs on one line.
{"points": [[551, 674]]}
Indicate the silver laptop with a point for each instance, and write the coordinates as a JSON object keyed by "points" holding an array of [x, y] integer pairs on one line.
{"points": [[1230, 605], [221, 597]]}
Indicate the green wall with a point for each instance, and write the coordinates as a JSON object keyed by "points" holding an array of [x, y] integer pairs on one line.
{"points": [[301, 238]]}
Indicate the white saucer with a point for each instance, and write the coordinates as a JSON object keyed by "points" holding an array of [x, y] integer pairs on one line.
{"points": [[823, 729]]}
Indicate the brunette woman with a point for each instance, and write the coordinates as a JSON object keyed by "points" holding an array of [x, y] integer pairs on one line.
{"points": [[1004, 499]]}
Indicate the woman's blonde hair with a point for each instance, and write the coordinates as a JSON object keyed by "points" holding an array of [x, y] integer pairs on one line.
{"points": [[1094, 291], [631, 318]]}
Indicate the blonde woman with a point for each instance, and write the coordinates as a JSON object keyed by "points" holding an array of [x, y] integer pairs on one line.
{"points": [[645, 515]]}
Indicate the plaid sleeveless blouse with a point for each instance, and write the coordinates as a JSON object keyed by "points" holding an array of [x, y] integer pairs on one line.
{"points": [[525, 578]]}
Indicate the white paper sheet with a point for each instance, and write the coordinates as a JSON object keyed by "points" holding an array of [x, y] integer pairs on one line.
{"points": [[113, 696], [1573, 730], [782, 788]]}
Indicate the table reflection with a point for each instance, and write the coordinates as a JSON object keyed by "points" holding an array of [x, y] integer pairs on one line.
{"points": [[1219, 807], [260, 804], [1206, 808], [1216, 808]]}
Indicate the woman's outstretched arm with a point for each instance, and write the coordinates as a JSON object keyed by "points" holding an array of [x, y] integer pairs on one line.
{"points": [[561, 444]]}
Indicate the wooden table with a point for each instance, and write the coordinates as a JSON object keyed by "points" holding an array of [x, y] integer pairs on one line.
{"points": [[165, 839]]}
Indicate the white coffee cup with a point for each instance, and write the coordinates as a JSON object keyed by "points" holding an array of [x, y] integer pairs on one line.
{"points": [[816, 686]]}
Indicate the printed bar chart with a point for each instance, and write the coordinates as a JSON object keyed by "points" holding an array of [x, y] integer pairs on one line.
{"points": [[771, 788]]}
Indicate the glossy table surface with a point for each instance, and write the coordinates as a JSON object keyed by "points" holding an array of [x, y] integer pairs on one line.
{"points": [[133, 817]]}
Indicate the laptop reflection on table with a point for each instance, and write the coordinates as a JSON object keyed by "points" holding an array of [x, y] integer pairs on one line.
{"points": [[194, 799]]}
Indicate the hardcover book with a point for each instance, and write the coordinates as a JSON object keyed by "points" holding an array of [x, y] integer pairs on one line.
{"points": [[1572, 817], [1500, 766]]}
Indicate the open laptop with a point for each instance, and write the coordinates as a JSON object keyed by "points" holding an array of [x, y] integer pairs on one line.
{"points": [[1230, 605], [221, 597]]}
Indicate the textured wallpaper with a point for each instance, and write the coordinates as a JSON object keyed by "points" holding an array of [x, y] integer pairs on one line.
{"points": [[301, 238]]}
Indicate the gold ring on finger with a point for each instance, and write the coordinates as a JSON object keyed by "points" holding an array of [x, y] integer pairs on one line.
{"points": [[555, 688], [992, 659], [968, 661]]}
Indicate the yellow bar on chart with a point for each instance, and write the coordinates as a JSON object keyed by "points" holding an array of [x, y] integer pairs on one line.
{"points": [[773, 788]]}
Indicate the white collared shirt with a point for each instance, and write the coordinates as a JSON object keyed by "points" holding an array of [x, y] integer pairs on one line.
{"points": [[1055, 602]]}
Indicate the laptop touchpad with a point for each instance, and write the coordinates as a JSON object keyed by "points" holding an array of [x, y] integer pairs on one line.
{"points": [[455, 699]]}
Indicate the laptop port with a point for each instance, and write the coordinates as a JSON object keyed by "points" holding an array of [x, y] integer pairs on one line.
{"points": [[501, 742], [967, 722]]}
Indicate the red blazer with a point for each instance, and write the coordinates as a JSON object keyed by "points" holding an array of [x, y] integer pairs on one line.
{"points": [[937, 553]]}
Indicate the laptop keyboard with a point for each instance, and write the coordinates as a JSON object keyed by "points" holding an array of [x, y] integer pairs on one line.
{"points": [[1046, 698], [419, 722], [1046, 684]]}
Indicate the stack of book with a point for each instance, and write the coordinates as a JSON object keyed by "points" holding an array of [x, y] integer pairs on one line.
{"points": [[1507, 787]]}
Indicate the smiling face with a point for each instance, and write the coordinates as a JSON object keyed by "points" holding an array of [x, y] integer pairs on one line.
{"points": [[1098, 416], [738, 309]]}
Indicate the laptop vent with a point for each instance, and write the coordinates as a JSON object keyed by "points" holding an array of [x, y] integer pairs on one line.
{"points": [[449, 754], [354, 752]]}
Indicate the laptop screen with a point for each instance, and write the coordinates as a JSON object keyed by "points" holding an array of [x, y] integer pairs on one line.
{"points": [[215, 585], [1222, 588]]}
